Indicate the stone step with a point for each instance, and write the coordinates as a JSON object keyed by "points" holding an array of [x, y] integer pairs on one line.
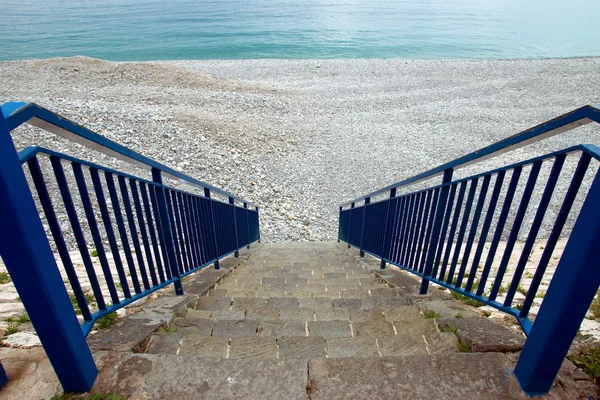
{"points": [[469, 376], [301, 347]]}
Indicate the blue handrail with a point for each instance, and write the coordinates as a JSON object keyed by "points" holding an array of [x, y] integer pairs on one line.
{"points": [[156, 234], [18, 113], [571, 120], [439, 233]]}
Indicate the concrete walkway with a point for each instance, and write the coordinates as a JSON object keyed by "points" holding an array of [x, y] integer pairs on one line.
{"points": [[305, 320]]}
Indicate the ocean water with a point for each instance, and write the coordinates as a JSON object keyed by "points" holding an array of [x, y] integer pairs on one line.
{"points": [[240, 29]]}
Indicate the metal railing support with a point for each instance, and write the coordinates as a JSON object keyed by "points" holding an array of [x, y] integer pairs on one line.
{"points": [[28, 257], [165, 230], [350, 224], [387, 215], [437, 226], [259, 229], [247, 225], [237, 245], [566, 302], [362, 229], [339, 225], [214, 230]]}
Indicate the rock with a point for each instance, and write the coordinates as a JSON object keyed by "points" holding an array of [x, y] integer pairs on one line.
{"points": [[23, 340]]}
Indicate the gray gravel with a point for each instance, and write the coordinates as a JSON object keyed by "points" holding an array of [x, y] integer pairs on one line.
{"points": [[300, 136]]}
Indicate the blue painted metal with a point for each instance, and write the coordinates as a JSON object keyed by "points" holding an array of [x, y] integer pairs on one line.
{"points": [[3, 377], [567, 300], [172, 233], [427, 231], [29, 260]]}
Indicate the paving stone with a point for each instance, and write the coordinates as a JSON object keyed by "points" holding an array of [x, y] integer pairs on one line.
{"points": [[284, 328], [446, 308], [313, 287], [384, 302], [303, 347], [253, 347], [484, 335], [365, 315], [346, 303], [274, 282], [334, 275], [264, 315], [165, 343], [228, 315], [203, 346], [143, 377], [326, 295], [329, 329], [419, 326], [198, 314], [277, 302], [132, 333], [213, 303], [247, 303], [352, 347], [442, 343], [178, 304], [298, 294], [246, 293], [194, 326], [297, 314], [229, 329], [384, 292], [373, 328], [332, 314], [406, 313], [458, 376], [217, 292], [401, 345], [315, 304]]}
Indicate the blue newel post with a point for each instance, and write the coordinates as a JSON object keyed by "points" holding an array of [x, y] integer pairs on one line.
{"points": [[566, 302], [28, 257]]}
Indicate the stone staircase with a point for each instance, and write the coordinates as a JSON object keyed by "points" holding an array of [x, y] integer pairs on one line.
{"points": [[304, 320], [318, 304]]}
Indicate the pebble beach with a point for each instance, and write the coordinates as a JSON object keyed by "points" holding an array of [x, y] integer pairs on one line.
{"points": [[299, 137]]}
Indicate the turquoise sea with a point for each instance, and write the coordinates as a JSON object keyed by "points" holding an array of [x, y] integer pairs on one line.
{"points": [[239, 29]]}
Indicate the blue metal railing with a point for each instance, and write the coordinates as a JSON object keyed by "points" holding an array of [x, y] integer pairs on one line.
{"points": [[145, 234], [451, 233]]}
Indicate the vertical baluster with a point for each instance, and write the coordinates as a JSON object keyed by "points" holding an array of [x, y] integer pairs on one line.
{"points": [[145, 240], [160, 232], [485, 229], [426, 243], [63, 251], [462, 230], [424, 229], [350, 224], [133, 230], [510, 193], [150, 219], [362, 228], [235, 230], [437, 225], [213, 228], [110, 234], [535, 227], [186, 220], [442, 242], [384, 245], [178, 241], [164, 224], [417, 231], [114, 200], [409, 221], [514, 233], [561, 218], [91, 218], [473, 232]]}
